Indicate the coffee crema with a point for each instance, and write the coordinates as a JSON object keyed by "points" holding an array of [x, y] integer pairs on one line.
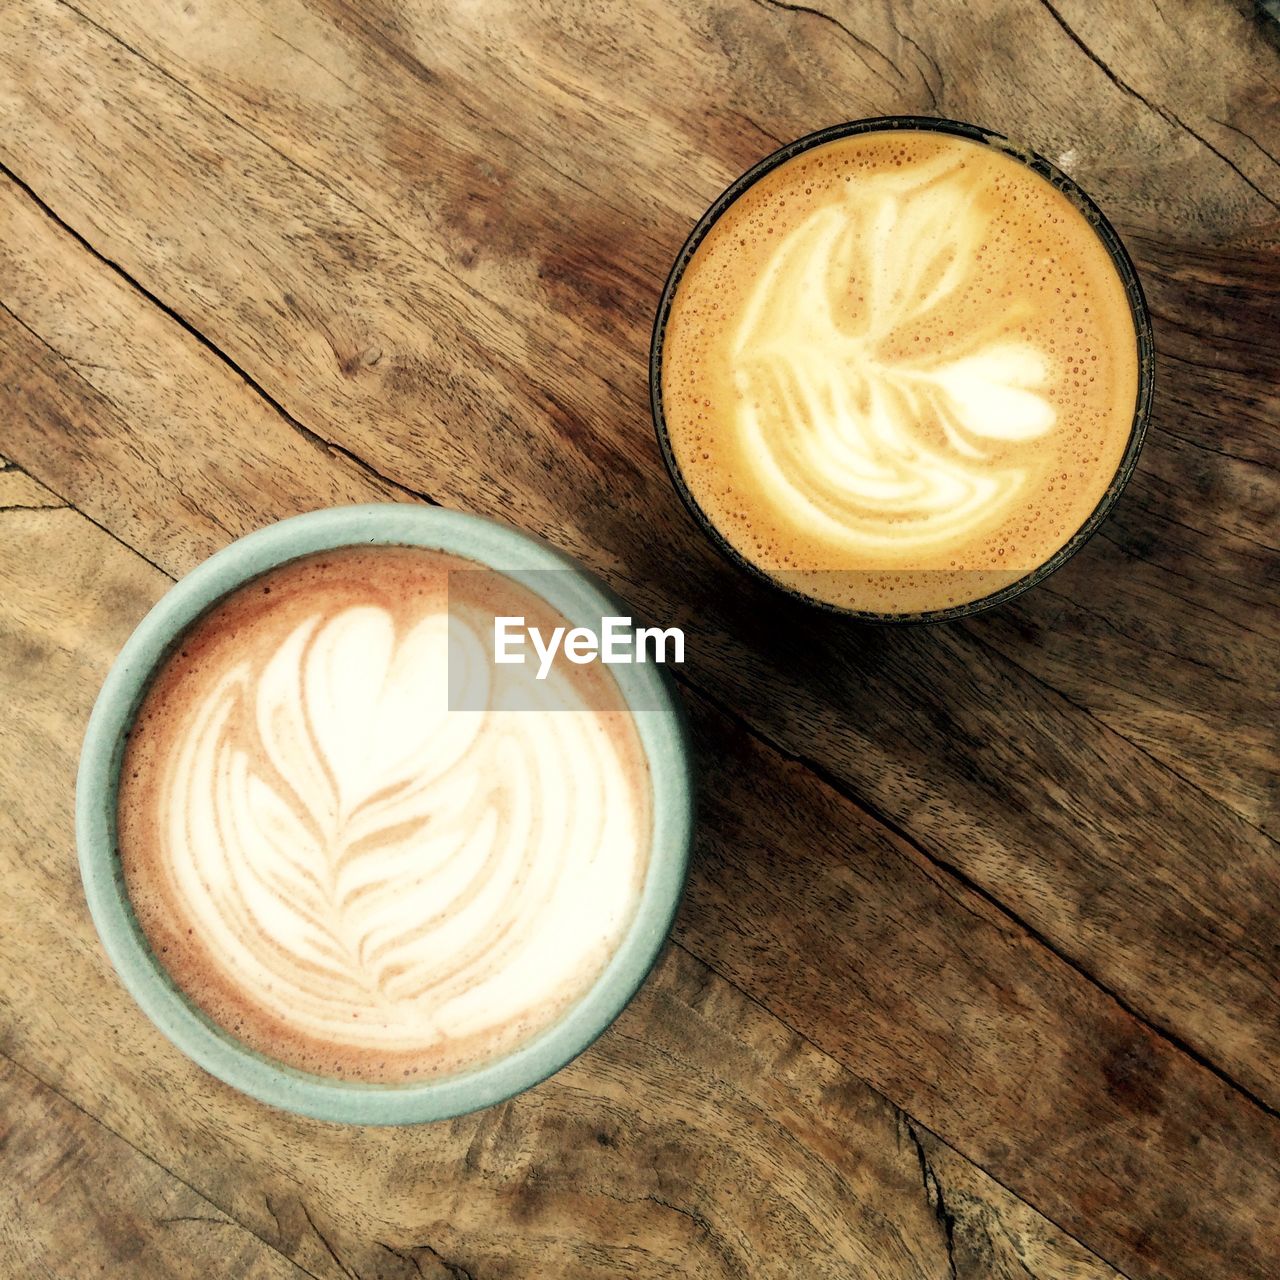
{"points": [[899, 372], [343, 872]]}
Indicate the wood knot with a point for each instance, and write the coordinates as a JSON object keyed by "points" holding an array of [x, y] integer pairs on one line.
{"points": [[1134, 1072]]}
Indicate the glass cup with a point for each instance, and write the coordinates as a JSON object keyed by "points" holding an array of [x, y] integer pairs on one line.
{"points": [[1142, 334]]}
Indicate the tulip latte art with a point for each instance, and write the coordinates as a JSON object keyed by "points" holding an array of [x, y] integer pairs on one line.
{"points": [[343, 872], [900, 371]]}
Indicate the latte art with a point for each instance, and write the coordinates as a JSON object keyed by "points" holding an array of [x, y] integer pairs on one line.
{"points": [[898, 359], [884, 452], [351, 876]]}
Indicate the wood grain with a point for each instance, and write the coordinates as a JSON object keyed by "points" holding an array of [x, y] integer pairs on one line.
{"points": [[700, 1137], [912, 980], [1019, 874], [76, 1200], [366, 326]]}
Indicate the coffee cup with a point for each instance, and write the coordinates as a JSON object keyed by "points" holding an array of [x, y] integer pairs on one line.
{"points": [[901, 369], [285, 820]]}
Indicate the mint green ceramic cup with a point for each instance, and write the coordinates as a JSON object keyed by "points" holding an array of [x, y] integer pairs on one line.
{"points": [[582, 600]]}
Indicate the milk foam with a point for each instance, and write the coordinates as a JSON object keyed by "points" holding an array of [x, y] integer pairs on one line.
{"points": [[376, 885], [882, 357]]}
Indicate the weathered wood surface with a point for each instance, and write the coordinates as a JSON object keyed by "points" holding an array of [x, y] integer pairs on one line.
{"points": [[1019, 875], [700, 1137], [76, 1200]]}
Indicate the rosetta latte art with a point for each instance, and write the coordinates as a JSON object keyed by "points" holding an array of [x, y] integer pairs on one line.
{"points": [[878, 448], [377, 874]]}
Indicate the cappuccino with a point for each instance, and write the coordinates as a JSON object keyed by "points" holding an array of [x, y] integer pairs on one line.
{"points": [[899, 372], [347, 874]]}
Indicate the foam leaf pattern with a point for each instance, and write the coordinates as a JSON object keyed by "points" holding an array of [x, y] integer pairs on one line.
{"points": [[875, 441], [377, 869]]}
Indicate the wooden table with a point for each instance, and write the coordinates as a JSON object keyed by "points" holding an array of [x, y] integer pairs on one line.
{"points": [[978, 971]]}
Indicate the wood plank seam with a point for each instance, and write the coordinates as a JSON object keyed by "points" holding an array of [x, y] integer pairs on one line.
{"points": [[931, 1183], [182, 85], [830, 780], [810, 764], [228, 1219], [306, 432]]}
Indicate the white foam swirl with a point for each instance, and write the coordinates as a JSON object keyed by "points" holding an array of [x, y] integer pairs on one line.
{"points": [[379, 871], [870, 446]]}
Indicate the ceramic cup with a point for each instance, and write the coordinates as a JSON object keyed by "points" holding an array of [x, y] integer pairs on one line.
{"points": [[582, 600]]}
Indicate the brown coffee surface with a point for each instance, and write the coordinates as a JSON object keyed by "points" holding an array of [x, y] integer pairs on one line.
{"points": [[347, 874], [900, 371]]}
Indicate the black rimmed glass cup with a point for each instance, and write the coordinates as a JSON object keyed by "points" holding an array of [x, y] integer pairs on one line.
{"points": [[1119, 258]]}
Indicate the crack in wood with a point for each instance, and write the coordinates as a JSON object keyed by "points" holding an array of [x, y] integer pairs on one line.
{"points": [[935, 94], [409, 1254], [195, 1217], [315, 62], [76, 367], [67, 503], [231, 1220], [935, 1199], [324, 1240], [1166, 115], [274, 1216], [760, 129], [699, 1221], [1239, 946], [859, 44], [714, 1240], [900, 1115], [1248, 137]]}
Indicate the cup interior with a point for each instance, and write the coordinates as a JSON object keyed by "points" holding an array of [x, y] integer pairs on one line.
{"points": [[582, 600], [1119, 257]]}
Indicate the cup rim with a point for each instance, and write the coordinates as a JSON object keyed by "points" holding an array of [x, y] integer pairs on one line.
{"points": [[1116, 251], [646, 688]]}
